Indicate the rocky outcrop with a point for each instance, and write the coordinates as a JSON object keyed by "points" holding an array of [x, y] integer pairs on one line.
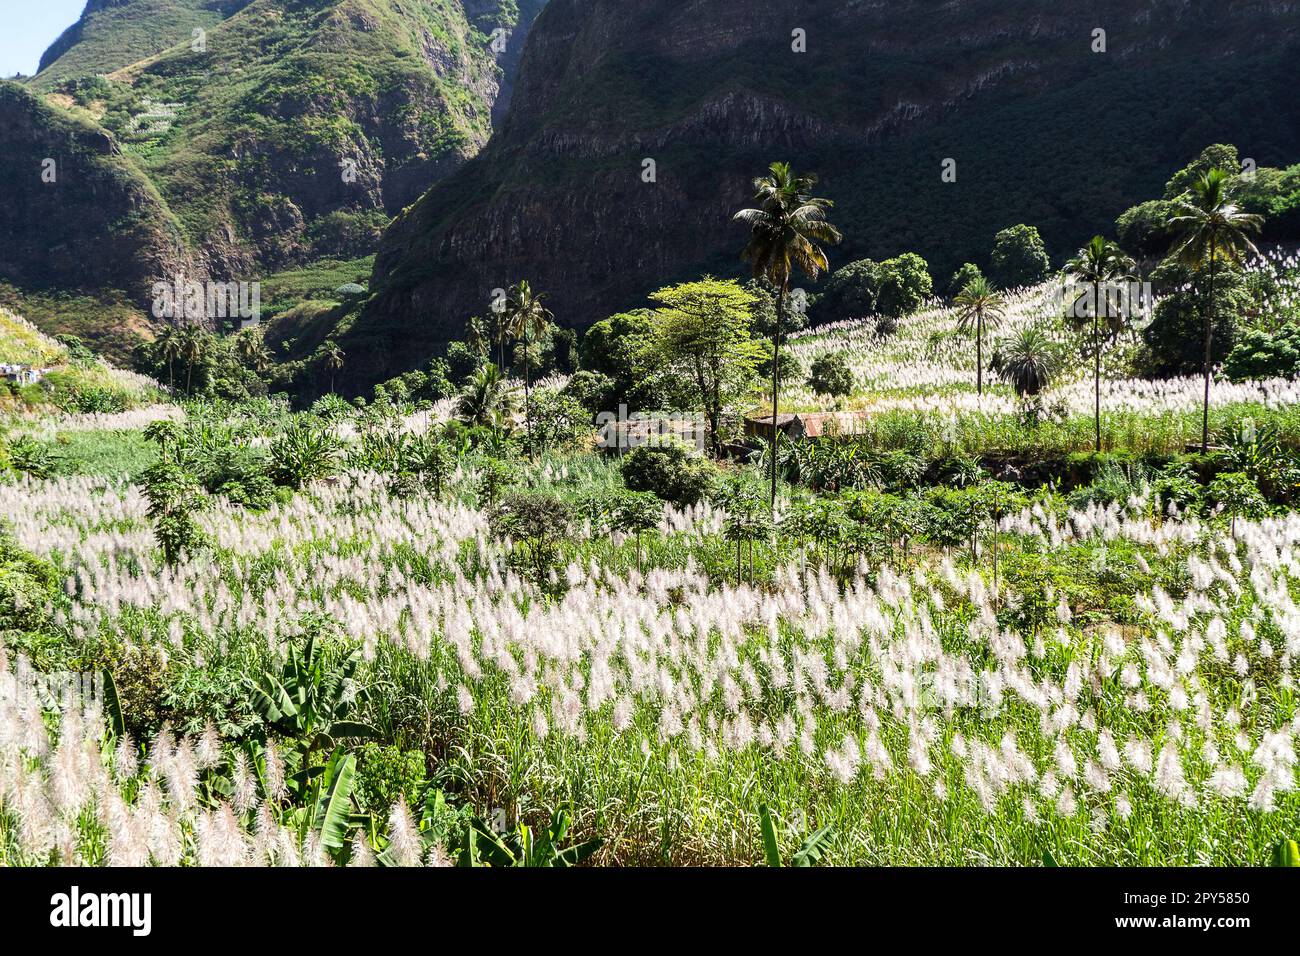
{"points": [[1042, 128]]}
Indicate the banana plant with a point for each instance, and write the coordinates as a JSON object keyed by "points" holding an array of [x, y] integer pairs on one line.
{"points": [[326, 806], [810, 851], [309, 701], [482, 847]]}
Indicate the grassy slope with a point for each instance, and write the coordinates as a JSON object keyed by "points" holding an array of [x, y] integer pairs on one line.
{"points": [[112, 37]]}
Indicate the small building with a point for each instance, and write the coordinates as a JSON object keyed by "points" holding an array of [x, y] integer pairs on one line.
{"points": [[21, 374], [801, 425]]}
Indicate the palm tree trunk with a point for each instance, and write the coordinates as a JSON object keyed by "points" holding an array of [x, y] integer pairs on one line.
{"points": [[1209, 339], [979, 354], [189, 379], [776, 380], [528, 401], [1096, 345]]}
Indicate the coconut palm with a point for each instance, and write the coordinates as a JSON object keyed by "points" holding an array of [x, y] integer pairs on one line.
{"points": [[484, 397], [785, 231], [332, 357], [168, 345], [980, 307], [525, 319], [477, 335], [1029, 362], [251, 349], [1211, 229], [191, 348], [1099, 263]]}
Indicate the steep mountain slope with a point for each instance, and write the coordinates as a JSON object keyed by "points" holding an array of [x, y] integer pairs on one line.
{"points": [[75, 207], [1043, 130], [111, 34], [292, 131]]}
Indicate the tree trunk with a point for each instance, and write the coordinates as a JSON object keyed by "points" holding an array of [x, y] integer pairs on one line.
{"points": [[1096, 345], [528, 401], [776, 380], [1209, 339], [979, 354]]}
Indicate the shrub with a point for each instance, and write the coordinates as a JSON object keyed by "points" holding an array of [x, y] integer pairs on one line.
{"points": [[303, 454], [831, 375], [671, 471]]}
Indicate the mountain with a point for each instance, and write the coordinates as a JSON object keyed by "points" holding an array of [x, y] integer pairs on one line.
{"points": [[1042, 129], [79, 207], [111, 34], [266, 134]]}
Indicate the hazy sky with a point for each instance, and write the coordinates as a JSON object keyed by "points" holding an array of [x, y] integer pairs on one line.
{"points": [[27, 27]]}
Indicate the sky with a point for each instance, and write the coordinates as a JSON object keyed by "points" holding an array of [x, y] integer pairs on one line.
{"points": [[27, 27]]}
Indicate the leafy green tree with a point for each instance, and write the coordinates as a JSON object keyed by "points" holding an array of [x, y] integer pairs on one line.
{"points": [[1100, 264], [1238, 496], [979, 307], [670, 471], [1217, 156], [1019, 257], [702, 330], [536, 523], [961, 278], [174, 496], [830, 375], [1211, 229], [617, 348], [1262, 354], [787, 231], [904, 285], [636, 512]]}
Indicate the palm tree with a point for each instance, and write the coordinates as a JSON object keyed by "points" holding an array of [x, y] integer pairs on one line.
{"points": [[1211, 228], [252, 351], [332, 357], [169, 347], [192, 349], [526, 317], [1100, 263], [979, 307], [477, 335], [484, 396], [785, 231], [1029, 362]]}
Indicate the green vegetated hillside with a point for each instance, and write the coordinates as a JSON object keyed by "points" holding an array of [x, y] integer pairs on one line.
{"points": [[289, 130], [78, 211], [1042, 129], [112, 34]]}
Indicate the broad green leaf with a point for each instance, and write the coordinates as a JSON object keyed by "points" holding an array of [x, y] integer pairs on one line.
{"points": [[770, 845], [334, 809]]}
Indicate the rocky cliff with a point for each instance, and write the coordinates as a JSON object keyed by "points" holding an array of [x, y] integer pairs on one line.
{"points": [[1043, 126], [272, 132]]}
